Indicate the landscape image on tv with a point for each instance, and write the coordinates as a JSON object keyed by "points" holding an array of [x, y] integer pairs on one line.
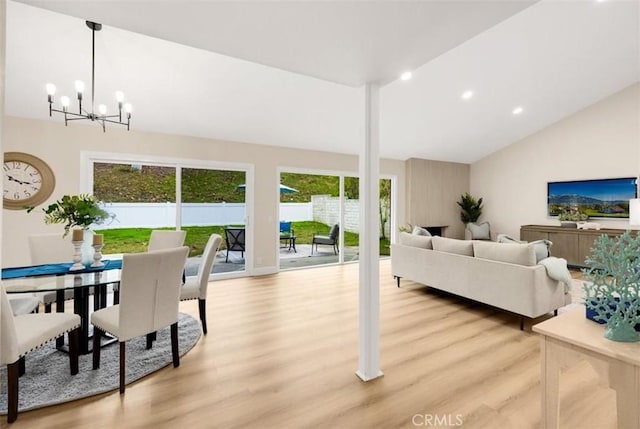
{"points": [[605, 198]]}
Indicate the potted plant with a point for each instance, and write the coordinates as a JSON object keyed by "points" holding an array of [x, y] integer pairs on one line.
{"points": [[75, 211], [471, 209], [570, 215]]}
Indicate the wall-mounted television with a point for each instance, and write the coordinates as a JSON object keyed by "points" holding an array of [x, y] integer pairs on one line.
{"points": [[602, 198]]}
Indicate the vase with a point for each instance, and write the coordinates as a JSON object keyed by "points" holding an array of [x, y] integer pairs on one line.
{"points": [[620, 331], [87, 248]]}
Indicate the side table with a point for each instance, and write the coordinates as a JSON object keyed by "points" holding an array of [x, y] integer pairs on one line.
{"points": [[570, 337]]}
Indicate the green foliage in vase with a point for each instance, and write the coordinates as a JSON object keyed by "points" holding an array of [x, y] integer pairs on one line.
{"points": [[471, 208], [572, 214], [614, 288], [75, 210]]}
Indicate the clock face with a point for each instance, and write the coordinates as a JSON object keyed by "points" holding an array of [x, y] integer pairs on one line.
{"points": [[28, 181], [21, 180]]}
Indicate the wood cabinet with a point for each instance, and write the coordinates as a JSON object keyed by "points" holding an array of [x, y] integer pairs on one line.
{"points": [[572, 244]]}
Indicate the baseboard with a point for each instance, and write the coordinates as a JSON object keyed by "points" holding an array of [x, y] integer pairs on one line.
{"points": [[263, 271]]}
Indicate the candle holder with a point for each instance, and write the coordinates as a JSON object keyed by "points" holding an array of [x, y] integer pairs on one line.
{"points": [[97, 256], [77, 256]]}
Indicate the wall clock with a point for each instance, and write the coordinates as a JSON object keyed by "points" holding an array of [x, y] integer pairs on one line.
{"points": [[28, 181]]}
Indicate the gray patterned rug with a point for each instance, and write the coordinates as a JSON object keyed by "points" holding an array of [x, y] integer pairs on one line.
{"points": [[47, 380]]}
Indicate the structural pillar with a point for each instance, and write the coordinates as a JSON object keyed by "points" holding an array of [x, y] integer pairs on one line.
{"points": [[369, 284]]}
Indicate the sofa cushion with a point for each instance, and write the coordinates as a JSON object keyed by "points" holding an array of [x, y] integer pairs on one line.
{"points": [[479, 231], [451, 245], [412, 240], [418, 230], [515, 253]]}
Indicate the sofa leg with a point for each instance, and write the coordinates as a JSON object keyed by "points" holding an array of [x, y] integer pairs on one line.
{"points": [[522, 323], [397, 280], [555, 312]]}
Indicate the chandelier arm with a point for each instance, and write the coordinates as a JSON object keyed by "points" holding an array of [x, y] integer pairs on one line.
{"points": [[113, 122]]}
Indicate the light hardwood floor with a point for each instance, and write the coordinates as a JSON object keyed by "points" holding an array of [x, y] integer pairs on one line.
{"points": [[281, 352]]}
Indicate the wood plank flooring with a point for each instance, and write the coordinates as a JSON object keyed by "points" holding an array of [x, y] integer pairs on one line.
{"points": [[281, 352]]}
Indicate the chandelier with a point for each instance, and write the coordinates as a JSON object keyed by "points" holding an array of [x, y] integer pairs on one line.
{"points": [[101, 117]]}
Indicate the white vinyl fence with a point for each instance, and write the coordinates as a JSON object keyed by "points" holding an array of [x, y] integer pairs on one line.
{"points": [[158, 215]]}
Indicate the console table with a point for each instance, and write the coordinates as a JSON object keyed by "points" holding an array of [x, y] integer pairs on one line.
{"points": [[570, 337], [572, 244]]}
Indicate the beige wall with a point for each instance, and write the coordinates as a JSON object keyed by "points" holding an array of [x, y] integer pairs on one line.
{"points": [[433, 187], [601, 141], [61, 147]]}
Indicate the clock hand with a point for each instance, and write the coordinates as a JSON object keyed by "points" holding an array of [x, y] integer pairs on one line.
{"points": [[12, 179]]}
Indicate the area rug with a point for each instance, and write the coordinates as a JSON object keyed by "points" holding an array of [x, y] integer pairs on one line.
{"points": [[47, 380]]}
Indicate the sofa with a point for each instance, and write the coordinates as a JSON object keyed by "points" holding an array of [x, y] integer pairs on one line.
{"points": [[506, 276]]}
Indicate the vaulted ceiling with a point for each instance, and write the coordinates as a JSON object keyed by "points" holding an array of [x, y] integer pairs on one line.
{"points": [[290, 73]]}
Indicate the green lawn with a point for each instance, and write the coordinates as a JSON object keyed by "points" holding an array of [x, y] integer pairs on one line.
{"points": [[132, 240]]}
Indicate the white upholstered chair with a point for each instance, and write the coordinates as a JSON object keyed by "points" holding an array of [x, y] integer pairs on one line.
{"points": [[149, 297], [196, 287], [162, 239], [50, 248], [21, 334], [24, 305]]}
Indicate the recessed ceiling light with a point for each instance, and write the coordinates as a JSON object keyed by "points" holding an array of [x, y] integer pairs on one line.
{"points": [[406, 75], [517, 110], [467, 95]]}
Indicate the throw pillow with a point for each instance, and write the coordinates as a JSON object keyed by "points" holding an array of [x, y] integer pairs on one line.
{"points": [[415, 240], [542, 249], [504, 238], [451, 245], [479, 231], [417, 230]]}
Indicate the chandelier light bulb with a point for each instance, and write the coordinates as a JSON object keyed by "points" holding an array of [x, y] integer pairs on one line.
{"points": [[119, 96], [102, 109], [51, 89], [128, 108], [79, 86], [64, 100]]}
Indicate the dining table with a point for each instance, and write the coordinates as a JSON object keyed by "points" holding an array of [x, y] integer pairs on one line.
{"points": [[58, 278]]}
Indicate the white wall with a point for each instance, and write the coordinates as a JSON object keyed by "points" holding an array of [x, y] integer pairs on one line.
{"points": [[61, 148], [601, 141]]}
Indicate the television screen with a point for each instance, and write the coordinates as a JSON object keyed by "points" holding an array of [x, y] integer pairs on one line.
{"points": [[603, 198]]}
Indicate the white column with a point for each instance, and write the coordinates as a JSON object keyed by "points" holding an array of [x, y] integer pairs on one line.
{"points": [[369, 297]]}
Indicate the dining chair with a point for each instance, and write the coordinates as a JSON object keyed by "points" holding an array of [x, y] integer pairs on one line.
{"points": [[24, 305], [160, 239], [149, 297], [163, 239], [196, 287], [20, 335], [50, 248]]}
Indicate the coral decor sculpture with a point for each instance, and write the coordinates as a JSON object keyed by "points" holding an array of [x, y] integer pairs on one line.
{"points": [[613, 292]]}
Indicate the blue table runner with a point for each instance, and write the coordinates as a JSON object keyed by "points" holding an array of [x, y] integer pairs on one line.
{"points": [[55, 269]]}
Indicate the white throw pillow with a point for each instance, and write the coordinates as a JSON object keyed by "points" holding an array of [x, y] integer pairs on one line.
{"points": [[451, 245], [542, 249], [412, 240], [417, 230], [479, 231]]}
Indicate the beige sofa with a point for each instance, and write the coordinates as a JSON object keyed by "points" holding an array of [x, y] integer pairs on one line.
{"points": [[506, 276]]}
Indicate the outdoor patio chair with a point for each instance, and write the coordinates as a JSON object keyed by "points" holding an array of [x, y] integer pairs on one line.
{"points": [[234, 239], [329, 240]]}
